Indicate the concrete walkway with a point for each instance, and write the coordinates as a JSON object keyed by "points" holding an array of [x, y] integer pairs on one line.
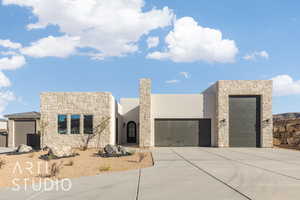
{"points": [[191, 173]]}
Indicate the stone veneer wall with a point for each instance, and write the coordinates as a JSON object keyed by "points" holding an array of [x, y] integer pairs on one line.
{"points": [[99, 104], [146, 138], [259, 87]]}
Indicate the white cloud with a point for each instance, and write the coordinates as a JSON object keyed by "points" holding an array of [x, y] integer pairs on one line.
{"points": [[284, 85], [152, 42], [110, 28], [5, 98], [190, 42], [9, 44], [61, 47], [12, 63], [4, 81], [8, 53], [256, 54], [186, 75], [172, 81]]}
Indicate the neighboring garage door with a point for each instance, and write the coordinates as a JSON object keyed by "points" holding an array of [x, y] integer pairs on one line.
{"points": [[182, 132], [244, 121], [3, 140], [22, 128]]}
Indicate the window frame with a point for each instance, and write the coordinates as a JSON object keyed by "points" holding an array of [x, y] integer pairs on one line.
{"points": [[92, 127], [58, 126], [79, 123]]}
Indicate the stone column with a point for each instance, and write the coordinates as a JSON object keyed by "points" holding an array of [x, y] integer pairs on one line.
{"points": [[81, 124], [146, 133], [68, 124]]}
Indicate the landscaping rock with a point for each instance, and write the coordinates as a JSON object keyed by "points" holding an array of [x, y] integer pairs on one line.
{"points": [[123, 151], [59, 152], [114, 151], [24, 148], [110, 149]]}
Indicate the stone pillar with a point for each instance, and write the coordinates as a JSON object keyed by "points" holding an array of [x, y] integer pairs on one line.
{"points": [[68, 124], [81, 124], [11, 133], [146, 134]]}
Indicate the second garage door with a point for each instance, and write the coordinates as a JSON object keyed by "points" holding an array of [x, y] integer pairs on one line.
{"points": [[182, 132], [22, 128]]}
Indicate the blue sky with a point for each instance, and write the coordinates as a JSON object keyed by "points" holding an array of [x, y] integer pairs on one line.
{"points": [[63, 52]]}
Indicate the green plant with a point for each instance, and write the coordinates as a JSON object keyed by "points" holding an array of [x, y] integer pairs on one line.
{"points": [[104, 168], [2, 163], [69, 163]]}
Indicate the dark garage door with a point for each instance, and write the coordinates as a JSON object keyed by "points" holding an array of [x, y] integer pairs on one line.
{"points": [[22, 128], [182, 132], [244, 121]]}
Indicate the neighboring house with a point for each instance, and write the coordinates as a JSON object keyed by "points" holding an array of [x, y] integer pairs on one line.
{"points": [[227, 114], [3, 133], [21, 126]]}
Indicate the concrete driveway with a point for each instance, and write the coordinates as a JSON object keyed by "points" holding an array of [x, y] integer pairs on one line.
{"points": [[192, 173]]}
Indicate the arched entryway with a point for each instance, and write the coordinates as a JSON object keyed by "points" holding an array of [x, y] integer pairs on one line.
{"points": [[131, 132]]}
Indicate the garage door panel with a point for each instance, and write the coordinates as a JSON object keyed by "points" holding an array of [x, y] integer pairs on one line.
{"points": [[244, 118], [181, 132], [22, 128]]}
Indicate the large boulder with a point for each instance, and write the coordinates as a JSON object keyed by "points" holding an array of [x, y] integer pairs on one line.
{"points": [[59, 152], [115, 151], [22, 148]]}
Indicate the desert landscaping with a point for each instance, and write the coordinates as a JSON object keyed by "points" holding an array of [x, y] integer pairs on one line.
{"points": [[286, 130], [14, 169]]}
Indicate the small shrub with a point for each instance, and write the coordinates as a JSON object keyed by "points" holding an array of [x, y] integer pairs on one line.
{"points": [[55, 169], [69, 163], [2, 163], [141, 157], [104, 168]]}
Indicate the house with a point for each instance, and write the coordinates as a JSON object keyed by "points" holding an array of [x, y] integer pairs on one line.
{"points": [[3, 133], [21, 126], [228, 114]]}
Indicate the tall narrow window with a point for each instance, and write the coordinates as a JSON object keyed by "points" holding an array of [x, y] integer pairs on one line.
{"points": [[88, 124], [62, 124], [75, 124]]}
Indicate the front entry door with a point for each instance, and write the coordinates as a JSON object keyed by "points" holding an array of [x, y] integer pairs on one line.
{"points": [[131, 132]]}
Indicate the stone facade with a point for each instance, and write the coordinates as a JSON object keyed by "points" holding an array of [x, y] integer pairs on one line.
{"points": [[225, 88], [146, 137], [99, 104]]}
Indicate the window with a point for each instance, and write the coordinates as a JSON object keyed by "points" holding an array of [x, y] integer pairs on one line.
{"points": [[62, 124], [75, 124], [88, 124]]}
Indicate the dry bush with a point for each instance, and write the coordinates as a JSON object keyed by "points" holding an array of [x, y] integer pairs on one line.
{"points": [[2, 163], [55, 169], [104, 168], [142, 156], [69, 163]]}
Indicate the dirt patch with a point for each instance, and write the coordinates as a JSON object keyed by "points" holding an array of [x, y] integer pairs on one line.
{"points": [[17, 168]]}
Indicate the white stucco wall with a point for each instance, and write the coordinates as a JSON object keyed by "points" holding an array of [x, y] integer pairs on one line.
{"points": [[130, 112], [177, 105]]}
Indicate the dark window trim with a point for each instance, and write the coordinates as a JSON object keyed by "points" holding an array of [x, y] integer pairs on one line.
{"points": [[78, 124], [58, 124], [84, 132]]}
